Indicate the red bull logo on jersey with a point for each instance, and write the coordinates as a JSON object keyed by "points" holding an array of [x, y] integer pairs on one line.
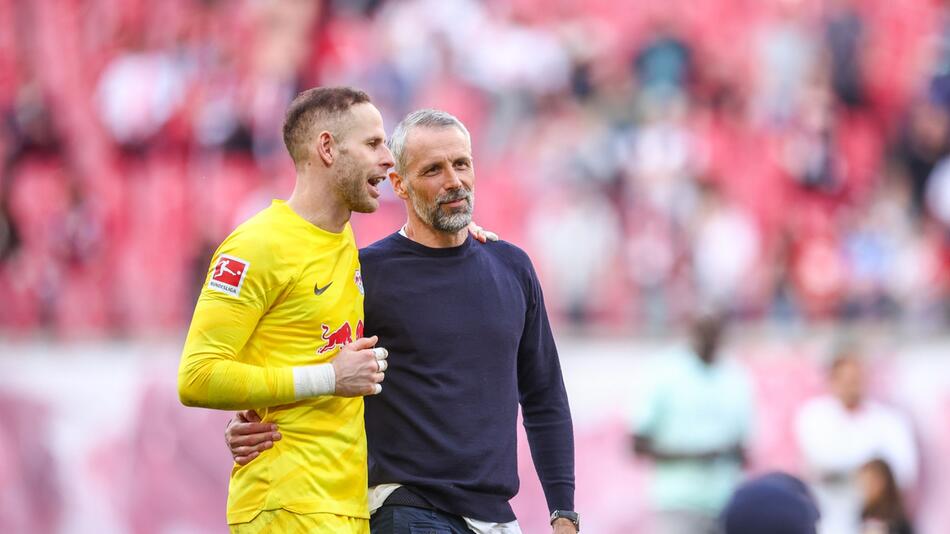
{"points": [[339, 337], [228, 275]]}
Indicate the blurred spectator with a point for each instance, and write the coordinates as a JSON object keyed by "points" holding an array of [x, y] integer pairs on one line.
{"points": [[574, 258], [939, 89], [817, 266], [30, 127], [9, 239], [138, 93], [654, 259], [663, 65], [937, 193], [872, 243], [883, 508], [722, 273], [693, 426], [775, 503], [787, 56], [922, 143], [840, 432], [662, 159], [810, 154], [844, 30]]}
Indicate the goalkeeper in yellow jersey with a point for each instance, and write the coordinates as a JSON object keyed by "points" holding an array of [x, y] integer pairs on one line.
{"points": [[278, 326]]}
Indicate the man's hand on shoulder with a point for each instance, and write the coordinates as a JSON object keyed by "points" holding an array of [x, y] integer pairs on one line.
{"points": [[481, 234], [247, 436]]}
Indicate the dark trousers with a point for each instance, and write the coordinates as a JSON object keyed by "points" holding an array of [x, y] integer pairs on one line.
{"points": [[396, 519]]}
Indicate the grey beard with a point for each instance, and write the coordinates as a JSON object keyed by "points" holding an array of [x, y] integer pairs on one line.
{"points": [[443, 222], [451, 223]]}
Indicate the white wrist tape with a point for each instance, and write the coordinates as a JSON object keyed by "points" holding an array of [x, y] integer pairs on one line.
{"points": [[314, 380]]}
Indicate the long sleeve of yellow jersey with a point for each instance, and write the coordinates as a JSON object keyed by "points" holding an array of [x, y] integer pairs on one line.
{"points": [[215, 372]]}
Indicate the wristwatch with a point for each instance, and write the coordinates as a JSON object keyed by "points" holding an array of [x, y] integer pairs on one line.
{"points": [[573, 517]]}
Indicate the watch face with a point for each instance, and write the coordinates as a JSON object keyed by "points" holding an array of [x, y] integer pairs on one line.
{"points": [[573, 517]]}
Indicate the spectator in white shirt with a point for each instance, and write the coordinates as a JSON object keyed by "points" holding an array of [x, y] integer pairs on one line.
{"points": [[840, 432]]}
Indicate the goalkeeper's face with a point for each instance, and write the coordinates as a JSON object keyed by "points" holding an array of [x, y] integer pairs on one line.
{"points": [[363, 160]]}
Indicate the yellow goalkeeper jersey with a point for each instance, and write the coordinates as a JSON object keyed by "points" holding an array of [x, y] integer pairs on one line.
{"points": [[282, 293]]}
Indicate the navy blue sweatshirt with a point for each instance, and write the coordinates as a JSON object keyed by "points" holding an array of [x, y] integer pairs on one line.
{"points": [[468, 339]]}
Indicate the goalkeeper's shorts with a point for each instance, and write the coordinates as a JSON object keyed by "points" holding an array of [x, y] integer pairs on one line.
{"points": [[281, 521]]}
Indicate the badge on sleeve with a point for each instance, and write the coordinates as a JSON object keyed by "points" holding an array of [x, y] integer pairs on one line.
{"points": [[228, 275], [358, 279]]}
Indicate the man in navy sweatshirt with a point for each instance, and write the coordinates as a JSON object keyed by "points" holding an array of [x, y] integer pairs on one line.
{"points": [[469, 340]]}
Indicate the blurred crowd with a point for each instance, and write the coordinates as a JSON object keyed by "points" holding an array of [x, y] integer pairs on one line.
{"points": [[784, 159], [695, 422]]}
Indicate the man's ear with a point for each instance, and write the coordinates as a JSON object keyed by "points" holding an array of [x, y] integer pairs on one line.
{"points": [[399, 185], [324, 147]]}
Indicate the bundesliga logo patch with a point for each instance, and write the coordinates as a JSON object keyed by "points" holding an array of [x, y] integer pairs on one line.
{"points": [[228, 275]]}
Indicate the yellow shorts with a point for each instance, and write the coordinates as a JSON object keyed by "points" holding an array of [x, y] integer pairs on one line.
{"points": [[281, 521]]}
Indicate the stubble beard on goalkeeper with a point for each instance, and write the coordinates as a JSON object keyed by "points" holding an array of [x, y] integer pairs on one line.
{"points": [[356, 185], [439, 215]]}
